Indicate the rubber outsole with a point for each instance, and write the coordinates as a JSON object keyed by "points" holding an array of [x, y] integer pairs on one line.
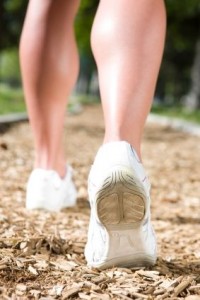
{"points": [[138, 260], [121, 205]]}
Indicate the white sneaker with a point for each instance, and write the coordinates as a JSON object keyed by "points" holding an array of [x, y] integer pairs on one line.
{"points": [[46, 190], [120, 232]]}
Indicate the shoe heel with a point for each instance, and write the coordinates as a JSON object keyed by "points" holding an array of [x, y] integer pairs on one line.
{"points": [[121, 206], [121, 200]]}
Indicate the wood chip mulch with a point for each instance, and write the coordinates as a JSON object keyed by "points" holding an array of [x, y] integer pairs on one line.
{"points": [[42, 254]]}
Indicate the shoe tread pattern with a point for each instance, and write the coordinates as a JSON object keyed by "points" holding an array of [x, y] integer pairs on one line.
{"points": [[121, 199]]}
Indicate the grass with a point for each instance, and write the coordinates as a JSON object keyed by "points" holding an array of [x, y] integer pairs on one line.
{"points": [[11, 100], [177, 112]]}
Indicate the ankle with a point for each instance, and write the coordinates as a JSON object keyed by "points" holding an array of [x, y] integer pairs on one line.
{"points": [[60, 167]]}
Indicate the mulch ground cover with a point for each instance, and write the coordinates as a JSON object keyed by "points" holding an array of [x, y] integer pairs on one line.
{"points": [[42, 254]]}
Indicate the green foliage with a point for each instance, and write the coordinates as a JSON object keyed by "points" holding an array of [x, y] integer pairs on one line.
{"points": [[83, 25], [11, 5], [183, 23], [183, 31], [9, 66], [177, 112], [11, 100], [12, 14], [183, 9]]}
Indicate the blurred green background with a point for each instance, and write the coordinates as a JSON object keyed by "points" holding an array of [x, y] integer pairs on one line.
{"points": [[178, 88]]}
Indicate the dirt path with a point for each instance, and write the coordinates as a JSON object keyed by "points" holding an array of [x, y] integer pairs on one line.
{"points": [[41, 254]]}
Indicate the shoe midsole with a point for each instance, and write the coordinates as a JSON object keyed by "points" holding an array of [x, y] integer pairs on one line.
{"points": [[136, 260]]}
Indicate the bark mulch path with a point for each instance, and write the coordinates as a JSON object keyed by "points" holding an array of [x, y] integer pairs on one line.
{"points": [[42, 254]]}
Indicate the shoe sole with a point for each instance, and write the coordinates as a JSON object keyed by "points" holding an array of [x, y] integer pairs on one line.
{"points": [[120, 207]]}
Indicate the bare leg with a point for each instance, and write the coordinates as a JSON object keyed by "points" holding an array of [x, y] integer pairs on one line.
{"points": [[49, 64], [127, 41]]}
